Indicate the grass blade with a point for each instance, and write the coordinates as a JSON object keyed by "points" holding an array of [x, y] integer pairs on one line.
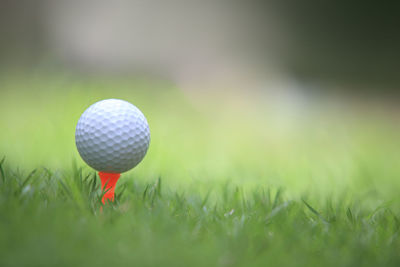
{"points": [[314, 211], [3, 177], [30, 175]]}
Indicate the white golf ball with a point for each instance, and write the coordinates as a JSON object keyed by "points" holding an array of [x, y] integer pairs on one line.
{"points": [[112, 136]]}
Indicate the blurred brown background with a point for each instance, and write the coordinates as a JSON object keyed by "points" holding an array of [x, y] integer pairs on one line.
{"points": [[330, 45]]}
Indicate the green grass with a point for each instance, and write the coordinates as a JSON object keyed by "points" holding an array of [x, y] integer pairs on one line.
{"points": [[229, 180]]}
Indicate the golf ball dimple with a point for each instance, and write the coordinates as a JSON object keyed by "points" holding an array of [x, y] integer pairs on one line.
{"points": [[112, 136]]}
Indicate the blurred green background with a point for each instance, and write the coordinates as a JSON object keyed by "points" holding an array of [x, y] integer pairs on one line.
{"points": [[211, 137]]}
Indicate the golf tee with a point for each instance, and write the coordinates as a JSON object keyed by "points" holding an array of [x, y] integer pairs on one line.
{"points": [[108, 180]]}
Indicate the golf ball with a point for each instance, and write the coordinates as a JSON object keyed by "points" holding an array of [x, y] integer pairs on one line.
{"points": [[112, 136]]}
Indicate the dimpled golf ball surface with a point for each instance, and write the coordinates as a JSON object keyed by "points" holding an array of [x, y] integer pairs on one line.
{"points": [[112, 136]]}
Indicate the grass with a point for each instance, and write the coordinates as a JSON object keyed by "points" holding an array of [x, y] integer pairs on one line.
{"points": [[49, 218], [229, 180]]}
